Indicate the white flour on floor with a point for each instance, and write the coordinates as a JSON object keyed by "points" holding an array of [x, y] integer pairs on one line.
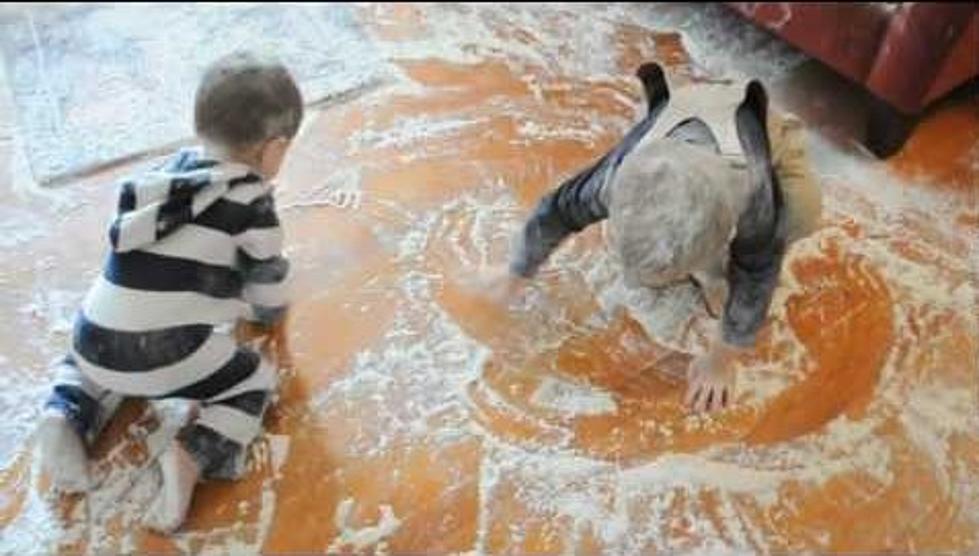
{"points": [[412, 381], [574, 399], [359, 538]]}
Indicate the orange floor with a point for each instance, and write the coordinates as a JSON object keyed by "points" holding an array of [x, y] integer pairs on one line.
{"points": [[416, 417]]}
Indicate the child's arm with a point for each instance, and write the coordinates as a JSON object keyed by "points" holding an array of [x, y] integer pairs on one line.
{"points": [[755, 262], [581, 200], [573, 206], [262, 264], [759, 244], [772, 221], [753, 270]]}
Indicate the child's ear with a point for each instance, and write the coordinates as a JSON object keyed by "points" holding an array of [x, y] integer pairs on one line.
{"points": [[271, 156], [277, 147]]}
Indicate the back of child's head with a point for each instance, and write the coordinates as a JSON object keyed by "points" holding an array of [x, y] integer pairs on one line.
{"points": [[672, 211], [245, 99]]}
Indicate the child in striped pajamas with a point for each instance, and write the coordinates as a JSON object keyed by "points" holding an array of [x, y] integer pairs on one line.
{"points": [[195, 247]]}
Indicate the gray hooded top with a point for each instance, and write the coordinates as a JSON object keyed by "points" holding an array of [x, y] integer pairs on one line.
{"points": [[759, 242]]}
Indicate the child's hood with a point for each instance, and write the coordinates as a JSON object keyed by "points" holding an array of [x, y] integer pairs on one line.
{"points": [[163, 200]]}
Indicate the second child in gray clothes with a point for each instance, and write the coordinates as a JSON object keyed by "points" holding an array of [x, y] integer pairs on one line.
{"points": [[693, 191]]}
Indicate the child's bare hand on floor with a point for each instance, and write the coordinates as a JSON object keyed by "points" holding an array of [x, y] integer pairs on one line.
{"points": [[497, 284], [711, 379], [272, 340], [506, 286], [275, 345]]}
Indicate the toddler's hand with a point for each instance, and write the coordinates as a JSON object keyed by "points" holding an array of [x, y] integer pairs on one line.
{"points": [[711, 380], [275, 344], [272, 340], [502, 286]]}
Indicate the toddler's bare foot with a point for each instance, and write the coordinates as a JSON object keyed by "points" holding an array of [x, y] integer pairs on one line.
{"points": [[63, 454], [180, 475]]}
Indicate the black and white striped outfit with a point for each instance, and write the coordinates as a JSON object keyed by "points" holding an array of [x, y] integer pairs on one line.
{"points": [[196, 245]]}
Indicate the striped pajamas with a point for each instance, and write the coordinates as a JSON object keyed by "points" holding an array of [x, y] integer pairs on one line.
{"points": [[196, 245]]}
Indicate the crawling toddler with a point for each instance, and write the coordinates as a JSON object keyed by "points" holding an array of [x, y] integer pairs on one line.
{"points": [[194, 248], [711, 186]]}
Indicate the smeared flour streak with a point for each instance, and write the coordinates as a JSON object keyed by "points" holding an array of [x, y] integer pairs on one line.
{"points": [[413, 380], [363, 537], [575, 399]]}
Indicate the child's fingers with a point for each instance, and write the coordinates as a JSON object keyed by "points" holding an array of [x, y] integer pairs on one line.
{"points": [[720, 397], [264, 346], [718, 400], [705, 399], [693, 391], [283, 355], [700, 403], [276, 347]]}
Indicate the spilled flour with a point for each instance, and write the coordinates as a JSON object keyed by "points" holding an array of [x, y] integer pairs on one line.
{"points": [[340, 190], [360, 538], [655, 505], [55, 307], [903, 456], [125, 488], [407, 132], [571, 398]]}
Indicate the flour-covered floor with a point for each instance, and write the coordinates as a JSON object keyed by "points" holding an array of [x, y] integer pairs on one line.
{"points": [[416, 417]]}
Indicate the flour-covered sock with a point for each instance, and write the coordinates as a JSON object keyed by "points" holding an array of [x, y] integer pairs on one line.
{"points": [[180, 475], [63, 455]]}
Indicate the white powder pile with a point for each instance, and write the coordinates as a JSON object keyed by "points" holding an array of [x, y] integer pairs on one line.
{"points": [[575, 399], [363, 537]]}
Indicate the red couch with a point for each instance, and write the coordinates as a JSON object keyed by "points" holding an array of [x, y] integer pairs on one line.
{"points": [[907, 55]]}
